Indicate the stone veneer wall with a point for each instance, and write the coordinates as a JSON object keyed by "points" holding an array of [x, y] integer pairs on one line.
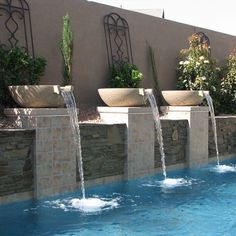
{"points": [[104, 147], [16, 161], [226, 134], [175, 142], [103, 150]]}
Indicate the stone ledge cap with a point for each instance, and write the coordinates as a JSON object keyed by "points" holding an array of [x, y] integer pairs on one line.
{"points": [[166, 109], [125, 110], [35, 112]]}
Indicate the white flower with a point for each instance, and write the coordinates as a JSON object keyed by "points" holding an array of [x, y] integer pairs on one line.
{"points": [[181, 62], [201, 58], [186, 62], [206, 61], [197, 64], [203, 78]]}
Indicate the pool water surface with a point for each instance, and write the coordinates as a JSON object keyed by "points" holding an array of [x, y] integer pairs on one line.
{"points": [[202, 202]]}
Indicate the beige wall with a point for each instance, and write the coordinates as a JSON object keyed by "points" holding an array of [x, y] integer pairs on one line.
{"points": [[90, 68]]}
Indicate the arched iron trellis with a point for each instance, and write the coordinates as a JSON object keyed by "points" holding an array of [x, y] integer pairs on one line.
{"points": [[117, 40], [15, 25]]}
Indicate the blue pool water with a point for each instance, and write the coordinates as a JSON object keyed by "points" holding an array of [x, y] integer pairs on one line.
{"points": [[204, 205]]}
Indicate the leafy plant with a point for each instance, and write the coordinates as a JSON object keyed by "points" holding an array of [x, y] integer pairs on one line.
{"points": [[196, 69], [18, 68], [157, 91], [66, 47], [228, 85], [126, 76]]}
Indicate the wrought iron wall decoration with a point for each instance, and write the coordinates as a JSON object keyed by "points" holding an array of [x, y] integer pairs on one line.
{"points": [[118, 42], [15, 25], [203, 38]]}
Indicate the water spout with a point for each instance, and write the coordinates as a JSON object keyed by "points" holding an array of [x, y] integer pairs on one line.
{"points": [[72, 111], [156, 117]]}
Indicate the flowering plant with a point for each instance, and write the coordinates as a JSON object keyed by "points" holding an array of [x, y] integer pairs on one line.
{"points": [[196, 69]]}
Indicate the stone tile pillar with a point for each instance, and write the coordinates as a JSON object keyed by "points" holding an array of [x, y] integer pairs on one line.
{"points": [[55, 158], [140, 137], [197, 116]]}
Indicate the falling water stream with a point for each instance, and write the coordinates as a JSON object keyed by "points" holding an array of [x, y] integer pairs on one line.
{"points": [[86, 205], [72, 111], [219, 168], [167, 182], [156, 117], [213, 123]]}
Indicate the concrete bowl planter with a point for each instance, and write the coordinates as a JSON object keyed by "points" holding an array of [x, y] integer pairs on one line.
{"points": [[37, 96], [123, 97], [183, 97]]}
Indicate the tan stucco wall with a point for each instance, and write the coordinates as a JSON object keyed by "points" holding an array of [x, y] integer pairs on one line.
{"points": [[90, 68]]}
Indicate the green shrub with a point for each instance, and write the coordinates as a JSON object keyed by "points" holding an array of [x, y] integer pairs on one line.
{"points": [[228, 85], [66, 47], [197, 70], [126, 76], [18, 68]]}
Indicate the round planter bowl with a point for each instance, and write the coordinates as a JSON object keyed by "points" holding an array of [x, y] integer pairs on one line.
{"points": [[122, 97], [37, 96], [183, 97]]}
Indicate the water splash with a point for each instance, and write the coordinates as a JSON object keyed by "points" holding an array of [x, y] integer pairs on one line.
{"points": [[170, 183], [92, 205], [224, 169], [173, 183], [213, 123], [150, 96], [72, 111]]}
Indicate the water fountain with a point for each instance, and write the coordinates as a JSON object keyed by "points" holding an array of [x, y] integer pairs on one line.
{"points": [[84, 204], [213, 123], [219, 168], [72, 111], [156, 117], [167, 182]]}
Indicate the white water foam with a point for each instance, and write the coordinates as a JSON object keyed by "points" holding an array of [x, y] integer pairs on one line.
{"points": [[89, 205], [169, 183], [224, 168], [173, 183], [84, 205]]}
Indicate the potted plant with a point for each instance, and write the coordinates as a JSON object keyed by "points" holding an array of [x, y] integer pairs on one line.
{"points": [[124, 87], [17, 68], [196, 72], [20, 73]]}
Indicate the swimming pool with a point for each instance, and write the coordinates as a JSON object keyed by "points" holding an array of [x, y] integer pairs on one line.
{"points": [[205, 204]]}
